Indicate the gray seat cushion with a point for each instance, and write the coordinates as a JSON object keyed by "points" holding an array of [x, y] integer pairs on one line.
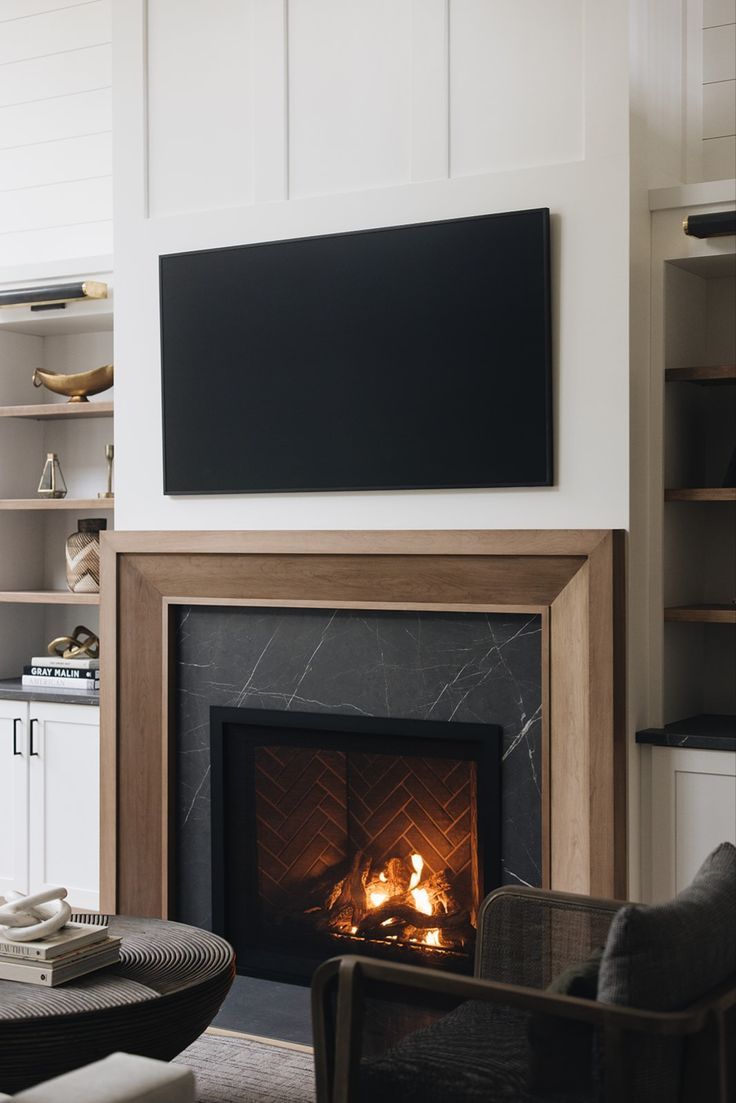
{"points": [[478, 1053]]}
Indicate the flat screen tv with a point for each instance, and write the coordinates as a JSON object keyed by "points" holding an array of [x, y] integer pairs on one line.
{"points": [[402, 358]]}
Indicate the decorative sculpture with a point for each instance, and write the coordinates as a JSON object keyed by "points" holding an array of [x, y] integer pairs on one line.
{"points": [[82, 644], [29, 918], [78, 385]]}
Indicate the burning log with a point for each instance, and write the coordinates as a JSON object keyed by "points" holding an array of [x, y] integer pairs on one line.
{"points": [[392, 915]]}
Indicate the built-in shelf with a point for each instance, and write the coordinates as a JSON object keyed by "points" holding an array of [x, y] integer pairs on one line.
{"points": [[84, 316], [702, 614], [705, 732], [47, 597], [57, 503], [59, 411], [724, 373], [701, 494]]}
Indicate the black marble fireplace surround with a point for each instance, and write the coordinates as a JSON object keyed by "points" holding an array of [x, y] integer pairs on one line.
{"points": [[466, 667]]}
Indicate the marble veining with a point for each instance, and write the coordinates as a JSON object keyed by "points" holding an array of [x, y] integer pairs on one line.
{"points": [[467, 667]]}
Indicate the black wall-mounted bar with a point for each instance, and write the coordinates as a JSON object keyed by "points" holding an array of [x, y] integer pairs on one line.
{"points": [[53, 295], [710, 225]]}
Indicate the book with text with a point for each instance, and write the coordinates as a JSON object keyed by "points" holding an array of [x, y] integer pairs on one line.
{"points": [[74, 674], [51, 973], [61, 683], [70, 664], [73, 936]]}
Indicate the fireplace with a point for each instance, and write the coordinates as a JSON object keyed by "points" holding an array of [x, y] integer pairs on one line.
{"points": [[341, 834]]}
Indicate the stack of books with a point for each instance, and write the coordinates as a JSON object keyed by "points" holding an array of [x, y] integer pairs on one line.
{"points": [[76, 949], [77, 675]]}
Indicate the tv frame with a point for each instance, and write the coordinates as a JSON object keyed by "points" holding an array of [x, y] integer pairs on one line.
{"points": [[547, 481]]}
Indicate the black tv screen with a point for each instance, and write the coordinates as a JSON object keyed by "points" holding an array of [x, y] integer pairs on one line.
{"points": [[408, 357]]}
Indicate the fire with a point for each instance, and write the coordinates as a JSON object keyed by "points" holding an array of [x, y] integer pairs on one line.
{"points": [[398, 899], [375, 897]]}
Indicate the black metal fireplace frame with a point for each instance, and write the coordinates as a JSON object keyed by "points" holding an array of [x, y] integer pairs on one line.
{"points": [[479, 743]]}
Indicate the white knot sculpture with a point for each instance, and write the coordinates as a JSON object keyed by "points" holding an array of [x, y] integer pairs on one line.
{"points": [[28, 918]]}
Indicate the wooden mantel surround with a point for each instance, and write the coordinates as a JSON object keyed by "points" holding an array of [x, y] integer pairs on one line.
{"points": [[573, 578]]}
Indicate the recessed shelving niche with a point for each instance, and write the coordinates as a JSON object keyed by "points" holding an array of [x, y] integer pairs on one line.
{"points": [[35, 603]]}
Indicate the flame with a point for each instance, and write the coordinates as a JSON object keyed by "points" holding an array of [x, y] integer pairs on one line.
{"points": [[376, 895], [422, 902], [417, 862]]}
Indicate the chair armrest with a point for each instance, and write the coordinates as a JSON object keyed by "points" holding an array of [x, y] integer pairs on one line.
{"points": [[527, 936], [353, 973], [119, 1078]]}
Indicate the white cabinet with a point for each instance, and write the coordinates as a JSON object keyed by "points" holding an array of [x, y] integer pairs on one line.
{"points": [[13, 796], [50, 811], [693, 806]]}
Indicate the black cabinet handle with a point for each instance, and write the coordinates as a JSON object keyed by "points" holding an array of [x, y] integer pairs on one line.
{"points": [[31, 752], [16, 722]]}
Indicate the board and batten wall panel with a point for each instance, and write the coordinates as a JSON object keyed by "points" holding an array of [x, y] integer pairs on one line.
{"points": [[350, 95], [719, 89], [200, 94], [524, 64], [255, 121], [55, 131]]}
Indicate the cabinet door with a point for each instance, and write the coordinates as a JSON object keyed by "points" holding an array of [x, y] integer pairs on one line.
{"points": [[13, 796], [693, 810], [64, 800]]}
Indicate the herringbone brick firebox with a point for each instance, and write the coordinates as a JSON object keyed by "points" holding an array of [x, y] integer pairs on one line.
{"points": [[367, 835]]}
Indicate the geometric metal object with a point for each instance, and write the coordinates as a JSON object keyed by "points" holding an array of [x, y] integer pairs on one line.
{"points": [[82, 644], [51, 483]]}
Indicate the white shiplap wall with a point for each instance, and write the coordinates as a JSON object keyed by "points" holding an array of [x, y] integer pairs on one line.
{"points": [[55, 131], [719, 89]]}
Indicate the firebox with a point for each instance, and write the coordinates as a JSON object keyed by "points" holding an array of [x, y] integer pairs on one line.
{"points": [[340, 834]]}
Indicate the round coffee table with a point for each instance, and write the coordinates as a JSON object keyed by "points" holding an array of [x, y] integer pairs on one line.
{"points": [[166, 989]]}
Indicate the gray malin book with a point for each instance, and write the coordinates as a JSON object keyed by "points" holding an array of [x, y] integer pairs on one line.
{"points": [[70, 938], [72, 674], [50, 973]]}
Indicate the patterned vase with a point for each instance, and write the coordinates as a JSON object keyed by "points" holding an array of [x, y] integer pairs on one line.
{"points": [[83, 556]]}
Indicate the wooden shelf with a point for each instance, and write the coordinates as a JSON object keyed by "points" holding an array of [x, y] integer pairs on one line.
{"points": [[59, 411], [701, 494], [702, 614], [725, 373], [57, 503], [47, 597]]}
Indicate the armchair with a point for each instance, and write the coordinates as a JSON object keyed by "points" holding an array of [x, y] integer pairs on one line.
{"points": [[390, 1032]]}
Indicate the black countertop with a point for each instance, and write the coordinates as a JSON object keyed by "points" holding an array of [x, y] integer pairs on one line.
{"points": [[707, 732], [12, 690]]}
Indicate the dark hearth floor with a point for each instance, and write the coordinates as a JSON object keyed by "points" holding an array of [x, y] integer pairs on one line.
{"points": [[267, 1008]]}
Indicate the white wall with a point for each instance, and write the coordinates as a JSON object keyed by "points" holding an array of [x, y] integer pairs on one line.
{"points": [[55, 132], [241, 121]]}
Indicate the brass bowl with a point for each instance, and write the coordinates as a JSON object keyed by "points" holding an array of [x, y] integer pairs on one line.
{"points": [[76, 386]]}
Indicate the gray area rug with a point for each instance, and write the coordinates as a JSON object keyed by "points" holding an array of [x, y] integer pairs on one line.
{"points": [[240, 1070]]}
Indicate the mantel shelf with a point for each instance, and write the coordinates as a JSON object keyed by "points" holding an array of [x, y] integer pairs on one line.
{"points": [[57, 503], [59, 411], [701, 494], [47, 597], [702, 614], [724, 373]]}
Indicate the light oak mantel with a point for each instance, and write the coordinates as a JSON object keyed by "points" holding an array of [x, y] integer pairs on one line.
{"points": [[573, 578]]}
